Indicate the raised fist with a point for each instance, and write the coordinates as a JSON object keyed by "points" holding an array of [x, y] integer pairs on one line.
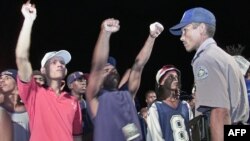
{"points": [[29, 11], [111, 25], [156, 29]]}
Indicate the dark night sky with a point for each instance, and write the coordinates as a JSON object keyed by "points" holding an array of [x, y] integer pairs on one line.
{"points": [[74, 25]]}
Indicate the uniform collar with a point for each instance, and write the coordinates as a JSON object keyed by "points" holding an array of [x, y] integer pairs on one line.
{"points": [[203, 47]]}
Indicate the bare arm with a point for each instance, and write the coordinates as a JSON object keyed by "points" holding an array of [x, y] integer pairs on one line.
{"points": [[99, 60], [23, 43], [218, 118], [142, 58], [6, 130], [125, 78]]}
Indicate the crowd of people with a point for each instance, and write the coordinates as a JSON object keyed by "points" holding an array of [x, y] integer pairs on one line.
{"points": [[100, 105]]}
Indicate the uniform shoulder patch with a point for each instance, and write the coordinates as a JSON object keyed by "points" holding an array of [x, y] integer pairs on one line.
{"points": [[201, 72]]}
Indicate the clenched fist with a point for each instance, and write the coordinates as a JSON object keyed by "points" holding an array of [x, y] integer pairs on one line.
{"points": [[111, 25], [156, 29]]}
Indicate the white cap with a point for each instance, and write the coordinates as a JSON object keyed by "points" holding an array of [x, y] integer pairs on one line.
{"points": [[62, 53], [243, 63]]}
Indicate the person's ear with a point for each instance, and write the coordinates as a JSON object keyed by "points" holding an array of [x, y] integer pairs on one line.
{"points": [[70, 86], [202, 27], [66, 71], [43, 70]]}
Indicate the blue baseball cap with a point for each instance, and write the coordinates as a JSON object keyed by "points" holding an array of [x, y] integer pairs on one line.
{"points": [[10, 72], [76, 75], [197, 15], [112, 61]]}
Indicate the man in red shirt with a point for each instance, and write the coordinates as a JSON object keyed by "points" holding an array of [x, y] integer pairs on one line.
{"points": [[54, 114]]}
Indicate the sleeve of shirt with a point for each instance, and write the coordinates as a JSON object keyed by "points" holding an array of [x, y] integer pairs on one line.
{"points": [[154, 130], [27, 92], [77, 123], [211, 85], [189, 110]]}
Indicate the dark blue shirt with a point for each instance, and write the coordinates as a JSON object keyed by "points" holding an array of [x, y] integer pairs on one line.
{"points": [[116, 110]]}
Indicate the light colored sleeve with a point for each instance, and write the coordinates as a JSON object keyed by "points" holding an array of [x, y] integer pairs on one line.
{"points": [[190, 112], [154, 129]]}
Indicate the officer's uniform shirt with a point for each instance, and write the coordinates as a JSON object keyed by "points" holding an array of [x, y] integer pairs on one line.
{"points": [[219, 81]]}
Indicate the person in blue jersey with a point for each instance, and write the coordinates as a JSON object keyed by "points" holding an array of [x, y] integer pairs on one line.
{"points": [[112, 109], [168, 117]]}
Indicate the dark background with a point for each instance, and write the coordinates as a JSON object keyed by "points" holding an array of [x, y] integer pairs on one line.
{"points": [[74, 25]]}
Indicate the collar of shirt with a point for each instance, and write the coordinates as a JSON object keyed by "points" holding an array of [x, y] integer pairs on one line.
{"points": [[203, 47]]}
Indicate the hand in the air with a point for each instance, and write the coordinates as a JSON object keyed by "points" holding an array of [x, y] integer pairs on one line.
{"points": [[156, 29]]}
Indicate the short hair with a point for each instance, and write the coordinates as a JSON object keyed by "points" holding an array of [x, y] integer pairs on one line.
{"points": [[37, 72], [210, 30], [148, 92], [235, 50]]}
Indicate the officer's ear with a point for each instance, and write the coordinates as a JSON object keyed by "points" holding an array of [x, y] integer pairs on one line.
{"points": [[202, 28]]}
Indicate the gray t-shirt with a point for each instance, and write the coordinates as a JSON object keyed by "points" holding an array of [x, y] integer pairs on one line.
{"points": [[21, 126]]}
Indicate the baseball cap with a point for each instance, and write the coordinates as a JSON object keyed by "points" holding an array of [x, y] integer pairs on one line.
{"points": [[198, 15], [76, 75], [62, 53], [164, 70], [112, 61], [10, 72], [243, 63]]}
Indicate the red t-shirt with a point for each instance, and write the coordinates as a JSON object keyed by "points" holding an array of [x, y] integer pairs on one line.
{"points": [[51, 117]]}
